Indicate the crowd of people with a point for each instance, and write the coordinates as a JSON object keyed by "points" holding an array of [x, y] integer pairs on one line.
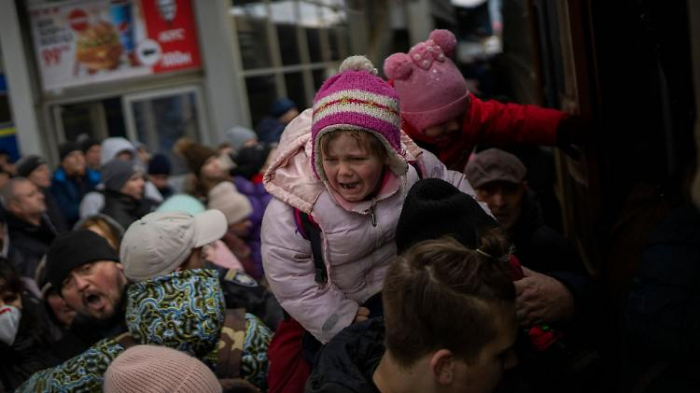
{"points": [[362, 245]]}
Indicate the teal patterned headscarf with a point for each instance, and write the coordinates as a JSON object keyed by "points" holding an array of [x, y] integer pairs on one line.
{"points": [[183, 310]]}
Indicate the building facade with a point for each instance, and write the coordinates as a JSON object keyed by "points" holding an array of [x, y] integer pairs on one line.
{"points": [[157, 70]]}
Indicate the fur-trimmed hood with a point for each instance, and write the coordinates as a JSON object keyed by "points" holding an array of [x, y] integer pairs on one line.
{"points": [[291, 177]]}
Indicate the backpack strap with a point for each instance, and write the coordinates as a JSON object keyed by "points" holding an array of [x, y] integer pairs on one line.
{"points": [[310, 231], [231, 344], [415, 166]]}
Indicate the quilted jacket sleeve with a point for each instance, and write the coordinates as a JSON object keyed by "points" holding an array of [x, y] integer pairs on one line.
{"points": [[322, 310], [83, 373]]}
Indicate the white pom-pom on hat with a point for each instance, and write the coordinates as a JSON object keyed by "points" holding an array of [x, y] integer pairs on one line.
{"points": [[358, 63]]}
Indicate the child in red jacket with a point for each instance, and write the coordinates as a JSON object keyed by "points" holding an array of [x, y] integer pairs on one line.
{"points": [[437, 108]]}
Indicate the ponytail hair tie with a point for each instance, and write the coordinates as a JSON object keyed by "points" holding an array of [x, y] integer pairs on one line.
{"points": [[504, 258]]}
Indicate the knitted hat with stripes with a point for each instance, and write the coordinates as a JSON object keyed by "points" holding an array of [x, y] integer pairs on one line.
{"points": [[357, 99]]}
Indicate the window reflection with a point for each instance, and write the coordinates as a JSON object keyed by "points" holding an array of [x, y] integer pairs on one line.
{"points": [[262, 92], [283, 11], [334, 44], [161, 121], [332, 16], [5, 116], [284, 54], [251, 25], [97, 119], [294, 82], [313, 38], [309, 15], [289, 45]]}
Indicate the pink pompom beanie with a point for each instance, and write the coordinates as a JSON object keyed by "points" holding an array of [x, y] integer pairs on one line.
{"points": [[431, 88], [357, 99]]}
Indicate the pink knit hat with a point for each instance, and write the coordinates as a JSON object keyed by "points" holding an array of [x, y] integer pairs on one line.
{"points": [[151, 369], [357, 99], [431, 88]]}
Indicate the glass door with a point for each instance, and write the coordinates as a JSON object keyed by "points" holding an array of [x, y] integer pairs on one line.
{"points": [[159, 118], [98, 119]]}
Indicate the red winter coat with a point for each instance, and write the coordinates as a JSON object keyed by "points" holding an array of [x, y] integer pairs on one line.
{"points": [[494, 123]]}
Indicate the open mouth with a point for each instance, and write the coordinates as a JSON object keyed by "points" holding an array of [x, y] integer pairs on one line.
{"points": [[349, 186], [93, 300]]}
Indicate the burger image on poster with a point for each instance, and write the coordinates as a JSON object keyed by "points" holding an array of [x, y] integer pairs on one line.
{"points": [[98, 47]]}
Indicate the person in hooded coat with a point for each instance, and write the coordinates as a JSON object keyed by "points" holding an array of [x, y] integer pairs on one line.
{"points": [[115, 148], [163, 260], [124, 193], [29, 349], [72, 181], [348, 168], [439, 112]]}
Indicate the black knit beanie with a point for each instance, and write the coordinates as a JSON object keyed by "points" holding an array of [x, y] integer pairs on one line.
{"points": [[88, 143], [250, 159], [66, 148], [159, 164], [435, 208], [72, 249], [27, 164]]}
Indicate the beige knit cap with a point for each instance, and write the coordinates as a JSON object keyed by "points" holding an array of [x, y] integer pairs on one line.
{"points": [[151, 369], [226, 198]]}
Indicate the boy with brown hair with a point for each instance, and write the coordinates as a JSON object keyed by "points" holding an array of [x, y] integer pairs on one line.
{"points": [[449, 325]]}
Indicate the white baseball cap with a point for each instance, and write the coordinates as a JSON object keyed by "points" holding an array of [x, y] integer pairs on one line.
{"points": [[160, 242]]}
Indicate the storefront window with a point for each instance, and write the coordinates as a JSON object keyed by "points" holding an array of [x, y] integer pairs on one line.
{"points": [[160, 118], [251, 24], [283, 11], [310, 14], [336, 3], [5, 116], [332, 16], [295, 87], [95, 119], [289, 45], [310, 37], [334, 44], [262, 92], [313, 37], [8, 139]]}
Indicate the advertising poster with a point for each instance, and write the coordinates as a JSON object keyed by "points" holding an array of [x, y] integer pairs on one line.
{"points": [[91, 41], [8, 137]]}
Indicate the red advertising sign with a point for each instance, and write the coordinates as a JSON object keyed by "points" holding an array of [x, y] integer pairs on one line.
{"points": [[90, 41]]}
